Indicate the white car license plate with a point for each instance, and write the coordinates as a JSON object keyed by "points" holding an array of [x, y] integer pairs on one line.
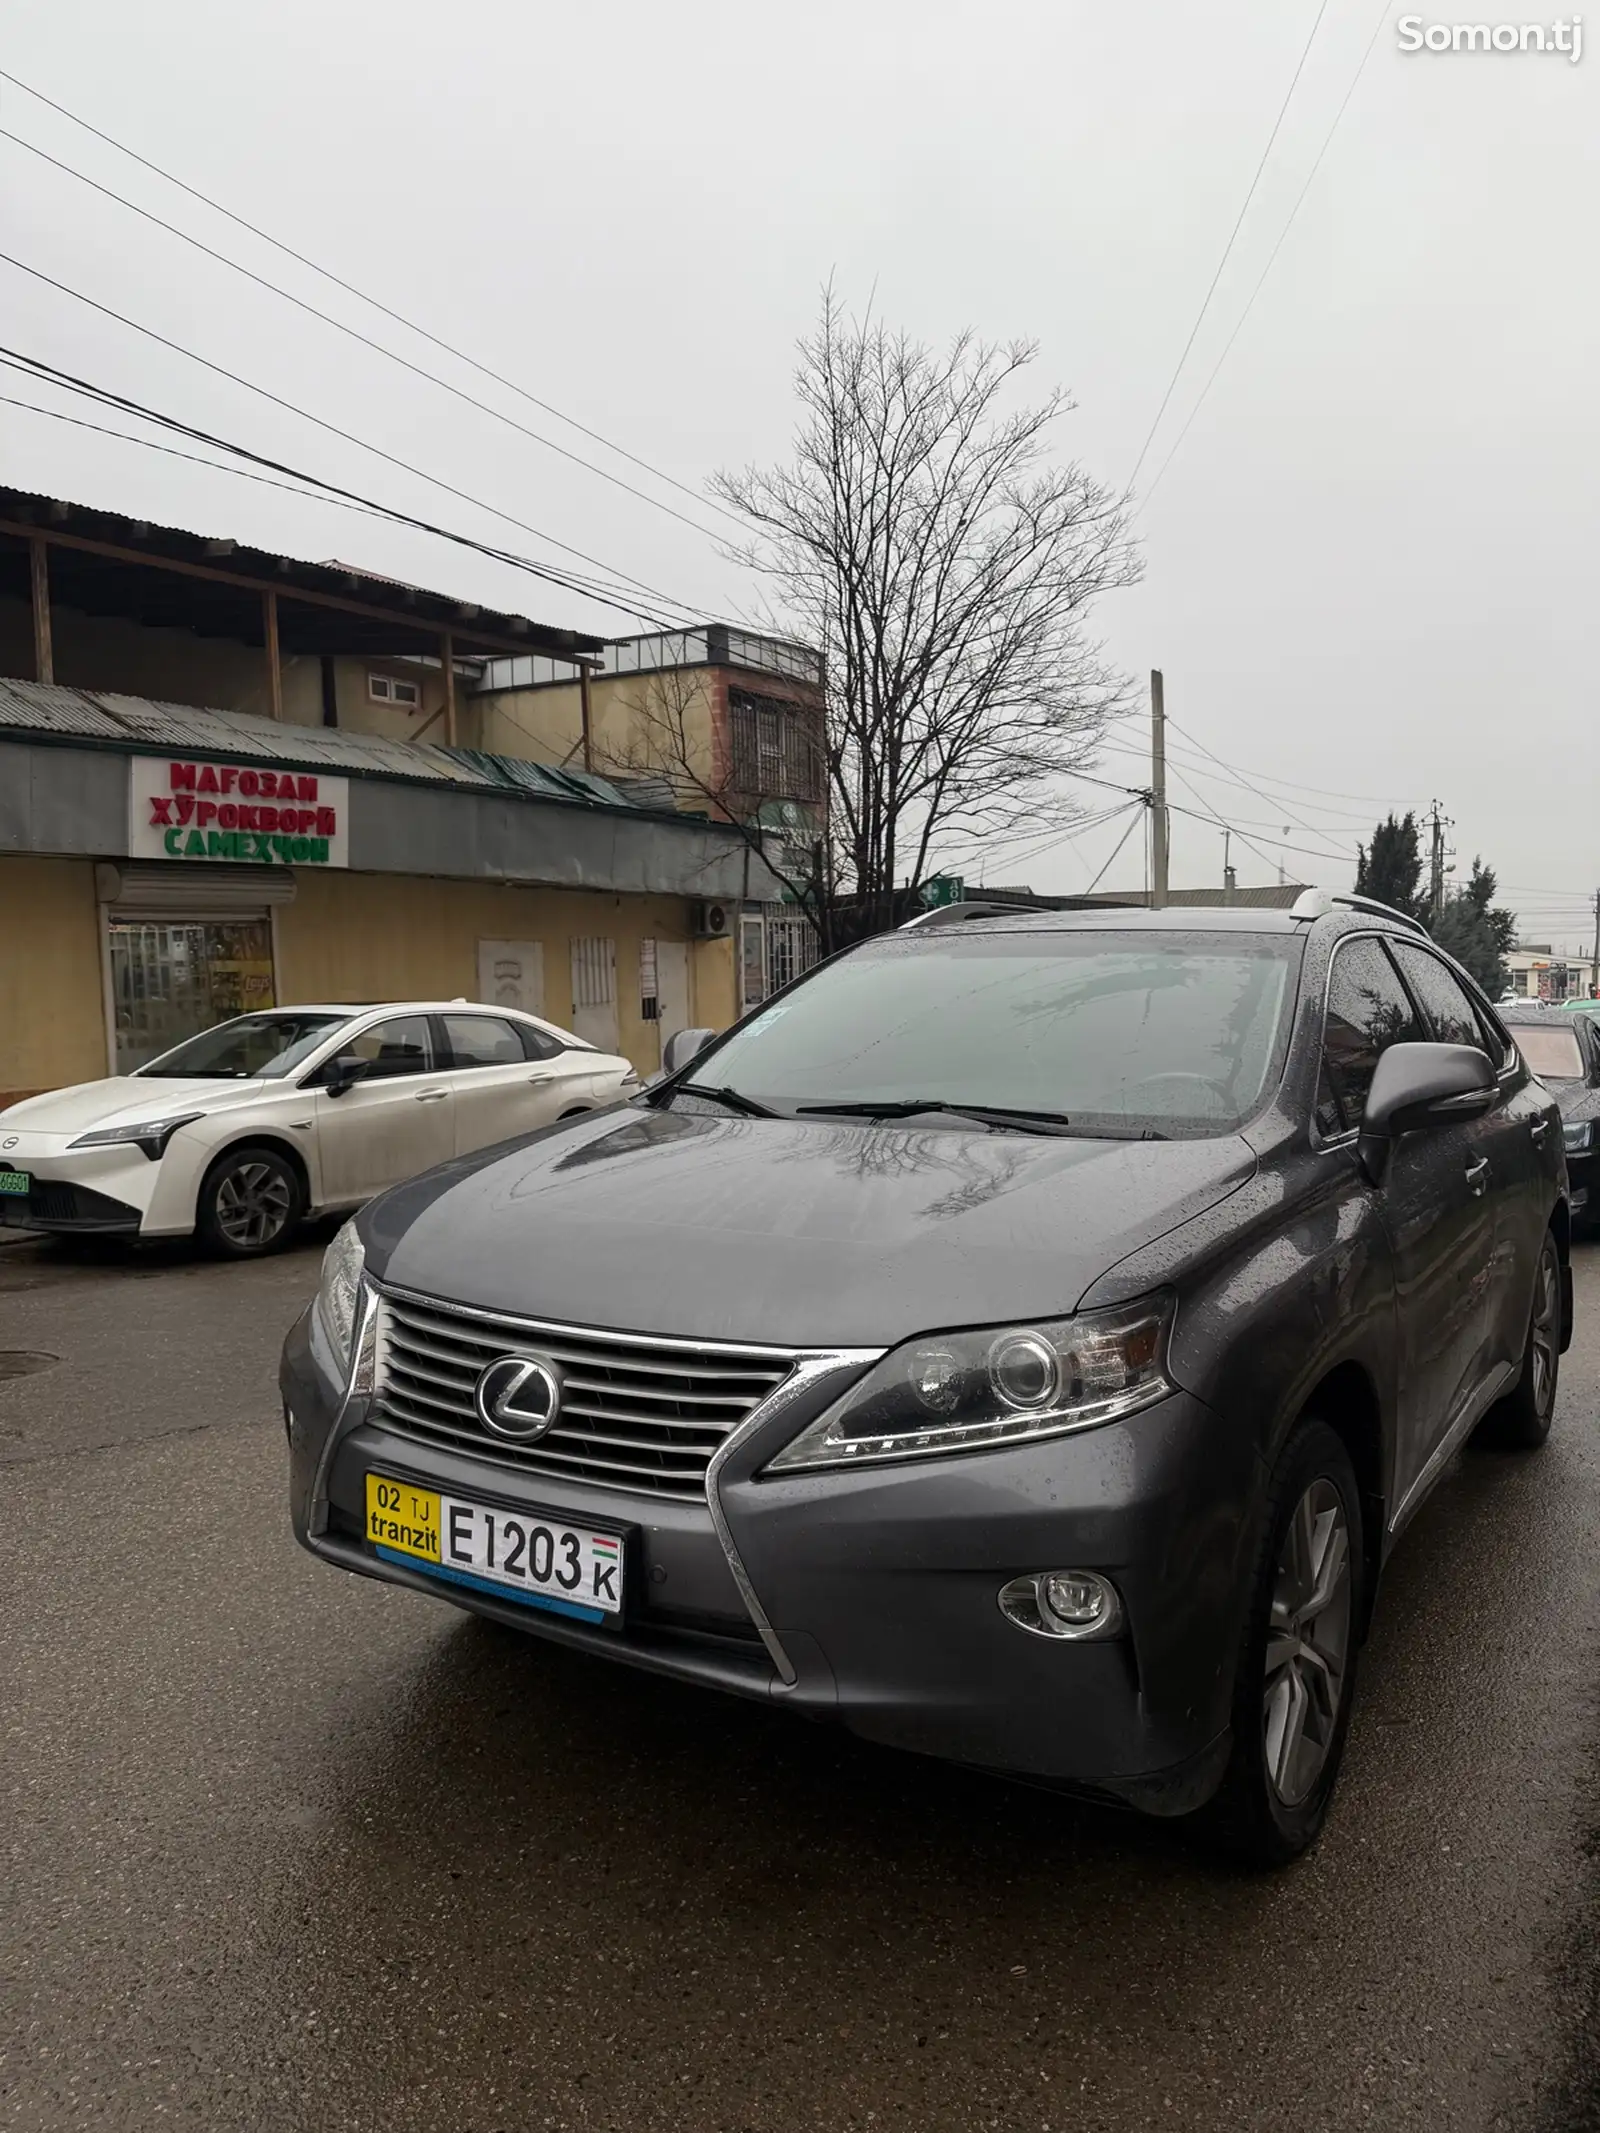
{"points": [[569, 1570], [15, 1183]]}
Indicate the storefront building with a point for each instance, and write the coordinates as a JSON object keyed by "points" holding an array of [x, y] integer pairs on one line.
{"points": [[603, 916], [231, 778]]}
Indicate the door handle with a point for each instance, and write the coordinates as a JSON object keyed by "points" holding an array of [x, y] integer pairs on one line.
{"points": [[432, 1096], [1478, 1176], [534, 1080], [1538, 1129]]}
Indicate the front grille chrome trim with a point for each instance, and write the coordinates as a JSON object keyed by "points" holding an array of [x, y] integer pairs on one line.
{"points": [[645, 1413]]}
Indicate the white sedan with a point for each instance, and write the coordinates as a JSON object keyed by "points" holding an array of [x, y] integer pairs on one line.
{"points": [[239, 1133]]}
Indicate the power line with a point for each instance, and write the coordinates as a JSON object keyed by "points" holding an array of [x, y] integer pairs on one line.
{"points": [[366, 340], [361, 295], [1216, 821], [1271, 256], [31, 366], [1137, 712], [1196, 768], [1227, 249], [276, 399], [1266, 798], [1133, 822]]}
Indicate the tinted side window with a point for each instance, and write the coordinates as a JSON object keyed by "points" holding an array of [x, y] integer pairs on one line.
{"points": [[536, 1044], [402, 1046], [482, 1041], [1367, 1012], [1444, 1000]]}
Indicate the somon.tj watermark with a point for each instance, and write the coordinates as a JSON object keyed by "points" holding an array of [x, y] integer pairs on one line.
{"points": [[1417, 36]]}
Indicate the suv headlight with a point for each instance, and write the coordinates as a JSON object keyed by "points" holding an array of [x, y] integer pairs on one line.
{"points": [[965, 1392], [1577, 1138], [338, 1301], [150, 1139]]}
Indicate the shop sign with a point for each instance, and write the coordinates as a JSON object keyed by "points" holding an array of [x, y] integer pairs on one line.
{"points": [[253, 812]]}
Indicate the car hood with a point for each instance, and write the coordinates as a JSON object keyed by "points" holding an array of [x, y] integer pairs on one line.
{"points": [[1575, 1100], [123, 1100], [795, 1233]]}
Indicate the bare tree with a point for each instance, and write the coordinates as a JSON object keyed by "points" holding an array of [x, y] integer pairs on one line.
{"points": [[926, 542]]}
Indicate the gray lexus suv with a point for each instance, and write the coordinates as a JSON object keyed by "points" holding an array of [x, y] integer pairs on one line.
{"points": [[1022, 1340]]}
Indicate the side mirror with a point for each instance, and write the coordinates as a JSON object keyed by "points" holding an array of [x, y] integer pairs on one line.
{"points": [[682, 1046], [1417, 1086], [340, 1075]]}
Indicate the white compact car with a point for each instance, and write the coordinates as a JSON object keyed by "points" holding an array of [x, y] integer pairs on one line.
{"points": [[239, 1133]]}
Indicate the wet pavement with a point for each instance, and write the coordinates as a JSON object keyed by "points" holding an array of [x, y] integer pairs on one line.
{"points": [[283, 1847]]}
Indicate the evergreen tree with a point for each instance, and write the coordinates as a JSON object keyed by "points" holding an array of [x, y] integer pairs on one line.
{"points": [[1478, 932], [1390, 868]]}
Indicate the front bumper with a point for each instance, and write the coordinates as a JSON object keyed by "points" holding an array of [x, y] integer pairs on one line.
{"points": [[880, 1585], [110, 1190]]}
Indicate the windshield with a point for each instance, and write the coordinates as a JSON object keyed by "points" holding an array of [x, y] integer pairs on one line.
{"points": [[1176, 1035], [250, 1047], [1552, 1054]]}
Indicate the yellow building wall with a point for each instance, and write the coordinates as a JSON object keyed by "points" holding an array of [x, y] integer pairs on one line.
{"points": [[52, 1001], [389, 937], [638, 723]]}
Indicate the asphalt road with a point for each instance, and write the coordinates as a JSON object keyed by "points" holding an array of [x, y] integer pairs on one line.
{"points": [[283, 1847]]}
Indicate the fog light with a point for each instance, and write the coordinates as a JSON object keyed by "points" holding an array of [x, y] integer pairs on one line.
{"points": [[1075, 1604], [1077, 1597]]}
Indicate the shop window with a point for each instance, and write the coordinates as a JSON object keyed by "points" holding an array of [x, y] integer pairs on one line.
{"points": [[649, 983], [170, 982]]}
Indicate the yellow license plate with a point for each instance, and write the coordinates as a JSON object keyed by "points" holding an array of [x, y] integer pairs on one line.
{"points": [[522, 1555], [403, 1518]]}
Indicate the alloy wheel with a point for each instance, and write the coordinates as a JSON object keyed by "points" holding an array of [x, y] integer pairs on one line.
{"points": [[254, 1202], [1544, 1334], [1308, 1643]]}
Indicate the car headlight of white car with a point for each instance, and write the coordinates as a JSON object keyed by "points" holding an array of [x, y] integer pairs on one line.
{"points": [[970, 1392], [150, 1137], [1578, 1137], [337, 1310]]}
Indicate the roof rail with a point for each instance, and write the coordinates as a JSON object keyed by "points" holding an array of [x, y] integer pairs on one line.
{"points": [[1317, 903], [954, 914]]}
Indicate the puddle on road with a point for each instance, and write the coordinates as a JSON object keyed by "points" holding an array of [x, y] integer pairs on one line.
{"points": [[24, 1362]]}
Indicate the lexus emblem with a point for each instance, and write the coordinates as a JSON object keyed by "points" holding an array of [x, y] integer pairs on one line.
{"points": [[518, 1397], [10, 1140]]}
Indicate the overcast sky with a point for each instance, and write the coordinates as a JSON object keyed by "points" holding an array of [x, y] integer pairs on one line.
{"points": [[1371, 565]]}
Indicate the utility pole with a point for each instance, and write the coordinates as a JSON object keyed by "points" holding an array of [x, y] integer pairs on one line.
{"points": [[1158, 792], [1230, 879], [1438, 823], [1594, 960]]}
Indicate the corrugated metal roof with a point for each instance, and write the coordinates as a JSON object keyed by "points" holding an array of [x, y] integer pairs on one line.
{"points": [[99, 714], [86, 535], [139, 724]]}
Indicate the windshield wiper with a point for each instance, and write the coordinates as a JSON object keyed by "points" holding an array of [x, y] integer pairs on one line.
{"points": [[913, 1107], [735, 1099]]}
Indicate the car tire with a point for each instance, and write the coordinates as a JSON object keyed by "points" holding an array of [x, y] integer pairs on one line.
{"points": [[1521, 1421], [251, 1202], [1296, 1676]]}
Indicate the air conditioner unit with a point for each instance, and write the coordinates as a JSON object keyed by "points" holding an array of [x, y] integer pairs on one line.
{"points": [[713, 922]]}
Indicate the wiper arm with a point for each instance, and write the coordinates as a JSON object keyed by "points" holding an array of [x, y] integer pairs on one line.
{"points": [[913, 1107], [735, 1099]]}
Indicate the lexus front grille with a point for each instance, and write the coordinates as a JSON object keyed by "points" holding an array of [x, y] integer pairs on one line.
{"points": [[637, 1412]]}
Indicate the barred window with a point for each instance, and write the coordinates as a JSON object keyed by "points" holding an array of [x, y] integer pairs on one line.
{"points": [[776, 747]]}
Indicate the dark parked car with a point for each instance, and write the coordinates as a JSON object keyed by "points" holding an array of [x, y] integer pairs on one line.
{"points": [[1023, 1340], [1564, 1051]]}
